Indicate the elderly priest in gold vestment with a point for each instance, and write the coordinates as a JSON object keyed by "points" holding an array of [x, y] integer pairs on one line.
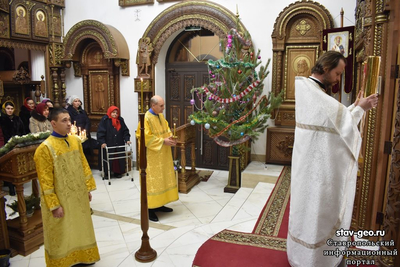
{"points": [[162, 187], [65, 185]]}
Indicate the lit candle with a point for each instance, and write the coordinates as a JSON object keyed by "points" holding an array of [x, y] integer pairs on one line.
{"points": [[174, 129], [141, 94]]}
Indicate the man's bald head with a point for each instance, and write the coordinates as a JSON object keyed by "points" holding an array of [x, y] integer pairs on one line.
{"points": [[157, 104]]}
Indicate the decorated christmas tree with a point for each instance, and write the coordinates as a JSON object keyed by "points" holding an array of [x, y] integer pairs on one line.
{"points": [[232, 107]]}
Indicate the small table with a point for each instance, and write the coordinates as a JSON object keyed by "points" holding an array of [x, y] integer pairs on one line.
{"points": [[186, 135], [18, 168]]}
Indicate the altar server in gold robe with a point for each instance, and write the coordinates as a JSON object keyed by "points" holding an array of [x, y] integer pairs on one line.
{"points": [[162, 186], [324, 165], [65, 184]]}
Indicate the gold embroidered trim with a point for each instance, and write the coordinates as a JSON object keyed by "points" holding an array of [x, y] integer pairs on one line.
{"points": [[88, 254], [271, 219], [254, 240], [316, 128]]}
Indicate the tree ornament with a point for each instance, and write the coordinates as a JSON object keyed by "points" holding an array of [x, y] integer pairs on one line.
{"points": [[215, 113], [192, 122], [241, 133], [207, 126], [240, 71], [192, 102]]}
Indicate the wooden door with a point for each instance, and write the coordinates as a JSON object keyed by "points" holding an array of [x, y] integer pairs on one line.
{"points": [[181, 78]]}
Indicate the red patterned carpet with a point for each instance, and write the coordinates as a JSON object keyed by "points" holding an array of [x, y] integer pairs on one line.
{"points": [[265, 246]]}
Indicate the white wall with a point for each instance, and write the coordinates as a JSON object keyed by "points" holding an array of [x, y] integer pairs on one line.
{"points": [[257, 16]]}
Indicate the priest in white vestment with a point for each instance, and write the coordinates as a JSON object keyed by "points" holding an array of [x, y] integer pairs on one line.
{"points": [[324, 164]]}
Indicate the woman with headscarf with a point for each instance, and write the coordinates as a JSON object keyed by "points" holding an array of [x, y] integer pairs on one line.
{"points": [[80, 118], [25, 113], [10, 124], [113, 131], [38, 121], [48, 102]]}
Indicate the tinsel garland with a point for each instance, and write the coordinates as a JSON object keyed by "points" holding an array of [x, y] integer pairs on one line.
{"points": [[238, 120], [232, 99], [231, 143], [222, 63]]}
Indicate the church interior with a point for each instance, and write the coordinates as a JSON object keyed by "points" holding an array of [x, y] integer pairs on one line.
{"points": [[232, 211]]}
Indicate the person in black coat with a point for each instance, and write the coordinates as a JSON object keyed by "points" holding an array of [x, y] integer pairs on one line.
{"points": [[113, 131], [80, 118], [10, 125], [25, 113]]}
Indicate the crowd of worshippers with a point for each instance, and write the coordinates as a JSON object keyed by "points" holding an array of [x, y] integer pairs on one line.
{"points": [[34, 118]]}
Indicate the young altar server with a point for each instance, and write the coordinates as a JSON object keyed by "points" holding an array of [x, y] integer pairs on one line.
{"points": [[65, 184]]}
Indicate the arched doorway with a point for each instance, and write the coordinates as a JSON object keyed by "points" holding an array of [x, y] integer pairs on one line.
{"points": [[98, 53], [186, 69]]}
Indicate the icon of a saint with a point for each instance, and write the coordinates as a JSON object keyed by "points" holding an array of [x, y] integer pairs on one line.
{"points": [[99, 89], [338, 46], [21, 22], [41, 25]]}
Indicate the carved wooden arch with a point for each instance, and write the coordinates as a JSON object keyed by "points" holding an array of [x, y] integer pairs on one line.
{"points": [[300, 26], [298, 8], [111, 41], [206, 14], [296, 38], [98, 51]]}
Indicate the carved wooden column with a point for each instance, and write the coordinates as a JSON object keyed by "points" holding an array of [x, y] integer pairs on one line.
{"points": [[63, 86], [193, 156], [183, 162], [56, 92], [372, 38], [19, 188], [391, 223]]}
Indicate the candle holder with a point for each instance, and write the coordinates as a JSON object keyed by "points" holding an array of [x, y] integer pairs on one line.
{"points": [[78, 132], [174, 135]]}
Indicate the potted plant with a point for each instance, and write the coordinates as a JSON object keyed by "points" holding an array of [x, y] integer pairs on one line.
{"points": [[30, 202]]}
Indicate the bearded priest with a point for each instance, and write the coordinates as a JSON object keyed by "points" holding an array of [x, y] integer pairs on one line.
{"points": [[324, 164]]}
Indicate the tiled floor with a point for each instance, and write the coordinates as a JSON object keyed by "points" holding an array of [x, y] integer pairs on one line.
{"points": [[197, 216]]}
